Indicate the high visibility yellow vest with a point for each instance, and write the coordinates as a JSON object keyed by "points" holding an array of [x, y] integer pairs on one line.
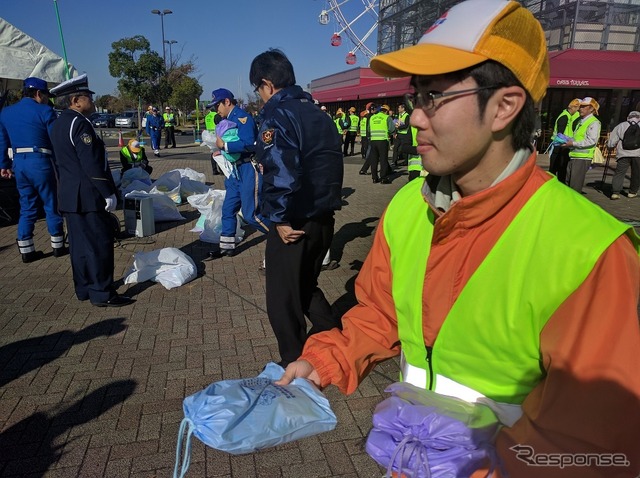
{"points": [[209, 122], [568, 129], [578, 135], [490, 339], [363, 126], [338, 123], [404, 118], [353, 127], [130, 159], [378, 127], [414, 162], [168, 120]]}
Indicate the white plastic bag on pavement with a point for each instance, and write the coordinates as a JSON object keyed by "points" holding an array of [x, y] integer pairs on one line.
{"points": [[164, 209], [168, 184], [209, 225], [169, 266], [191, 174], [190, 187]]}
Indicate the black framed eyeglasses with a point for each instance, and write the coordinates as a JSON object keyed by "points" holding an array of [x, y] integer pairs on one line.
{"points": [[427, 101], [255, 90]]}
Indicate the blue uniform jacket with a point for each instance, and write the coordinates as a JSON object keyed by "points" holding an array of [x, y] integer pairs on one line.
{"points": [[300, 151], [83, 170], [21, 122], [245, 145]]}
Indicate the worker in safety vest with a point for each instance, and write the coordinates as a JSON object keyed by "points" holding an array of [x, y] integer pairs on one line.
{"points": [[351, 133], [414, 161], [493, 282], [132, 155], [565, 121], [403, 136], [380, 127], [364, 141], [586, 134], [169, 127]]}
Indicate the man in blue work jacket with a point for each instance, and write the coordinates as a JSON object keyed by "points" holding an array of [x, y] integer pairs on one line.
{"points": [[244, 185], [24, 130]]}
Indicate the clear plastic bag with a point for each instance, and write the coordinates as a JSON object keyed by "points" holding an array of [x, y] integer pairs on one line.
{"points": [[242, 416]]}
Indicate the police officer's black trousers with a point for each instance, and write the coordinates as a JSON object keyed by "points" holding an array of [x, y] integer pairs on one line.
{"points": [[292, 291], [91, 251]]}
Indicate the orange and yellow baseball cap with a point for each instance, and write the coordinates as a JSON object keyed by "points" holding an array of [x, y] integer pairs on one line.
{"points": [[470, 33], [588, 101], [575, 102]]}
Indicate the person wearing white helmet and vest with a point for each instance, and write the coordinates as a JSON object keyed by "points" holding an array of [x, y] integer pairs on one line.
{"points": [[586, 133], [493, 282]]}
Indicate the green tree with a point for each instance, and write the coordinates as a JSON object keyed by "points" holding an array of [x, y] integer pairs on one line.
{"points": [[140, 71], [185, 91], [109, 103]]}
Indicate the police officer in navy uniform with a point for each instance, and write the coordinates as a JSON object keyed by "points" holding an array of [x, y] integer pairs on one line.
{"points": [[86, 196], [24, 129], [244, 186]]}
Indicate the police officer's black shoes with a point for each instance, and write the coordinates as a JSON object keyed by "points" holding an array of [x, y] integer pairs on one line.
{"points": [[385, 181], [115, 301], [60, 251], [32, 256]]}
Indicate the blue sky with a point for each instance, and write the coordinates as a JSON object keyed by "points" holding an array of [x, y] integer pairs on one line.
{"points": [[221, 36]]}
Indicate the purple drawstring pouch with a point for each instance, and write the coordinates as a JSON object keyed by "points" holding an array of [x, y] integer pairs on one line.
{"points": [[423, 434]]}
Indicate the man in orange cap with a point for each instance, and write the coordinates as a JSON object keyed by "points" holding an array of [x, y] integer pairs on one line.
{"points": [[132, 155], [559, 159], [586, 134], [485, 276]]}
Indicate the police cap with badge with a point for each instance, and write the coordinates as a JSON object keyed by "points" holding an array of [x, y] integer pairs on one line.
{"points": [[219, 95], [77, 85]]}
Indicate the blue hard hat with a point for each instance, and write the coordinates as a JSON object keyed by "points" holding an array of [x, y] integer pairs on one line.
{"points": [[35, 83], [218, 95]]}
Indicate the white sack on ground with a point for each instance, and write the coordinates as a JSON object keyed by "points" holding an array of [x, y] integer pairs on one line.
{"points": [[209, 225], [168, 184], [169, 266], [135, 174], [191, 174]]}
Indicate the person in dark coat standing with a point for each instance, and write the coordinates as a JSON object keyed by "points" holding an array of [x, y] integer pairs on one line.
{"points": [[86, 194], [299, 149]]}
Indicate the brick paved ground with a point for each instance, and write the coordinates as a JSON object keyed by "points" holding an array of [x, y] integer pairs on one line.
{"points": [[97, 392]]}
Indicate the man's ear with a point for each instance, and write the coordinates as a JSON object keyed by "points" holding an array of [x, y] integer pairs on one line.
{"points": [[509, 101]]}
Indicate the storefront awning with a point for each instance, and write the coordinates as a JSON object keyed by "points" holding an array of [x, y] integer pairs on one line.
{"points": [[384, 89], [594, 69]]}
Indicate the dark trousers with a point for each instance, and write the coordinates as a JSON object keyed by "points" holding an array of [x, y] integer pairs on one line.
{"points": [[169, 136], [91, 251], [621, 169], [558, 163], [379, 152], [349, 142], [292, 291], [364, 144], [399, 147]]}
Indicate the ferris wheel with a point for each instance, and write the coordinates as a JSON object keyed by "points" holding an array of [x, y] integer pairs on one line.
{"points": [[357, 20]]}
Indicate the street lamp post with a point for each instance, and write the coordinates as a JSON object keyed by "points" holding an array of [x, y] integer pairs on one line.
{"points": [[162, 14], [170, 42]]}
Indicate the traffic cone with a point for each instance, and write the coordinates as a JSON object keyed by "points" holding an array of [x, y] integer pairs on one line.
{"points": [[120, 139]]}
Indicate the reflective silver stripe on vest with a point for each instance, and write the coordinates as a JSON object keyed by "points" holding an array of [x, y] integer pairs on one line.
{"points": [[507, 413]]}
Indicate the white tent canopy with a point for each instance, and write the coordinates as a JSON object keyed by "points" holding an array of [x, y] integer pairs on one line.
{"points": [[21, 57]]}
